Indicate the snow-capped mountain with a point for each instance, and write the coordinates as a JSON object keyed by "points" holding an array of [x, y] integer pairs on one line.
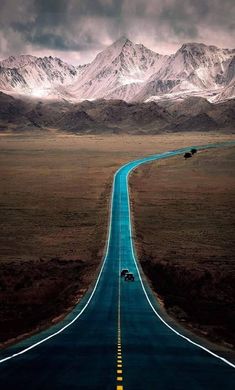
{"points": [[118, 72], [17, 62], [126, 71], [27, 74], [194, 68], [229, 79]]}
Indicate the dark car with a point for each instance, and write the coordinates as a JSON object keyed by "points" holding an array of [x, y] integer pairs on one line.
{"points": [[193, 150], [187, 155], [129, 277], [124, 272]]}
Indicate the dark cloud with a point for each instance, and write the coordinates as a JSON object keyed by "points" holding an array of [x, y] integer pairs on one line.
{"points": [[50, 40], [56, 39], [81, 28]]}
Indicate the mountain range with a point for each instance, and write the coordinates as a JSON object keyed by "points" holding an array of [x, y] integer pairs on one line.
{"points": [[125, 71], [115, 116]]}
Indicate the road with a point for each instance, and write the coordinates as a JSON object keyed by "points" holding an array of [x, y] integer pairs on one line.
{"points": [[115, 337]]}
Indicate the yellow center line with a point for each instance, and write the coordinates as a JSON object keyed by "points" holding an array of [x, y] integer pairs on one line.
{"points": [[119, 339]]}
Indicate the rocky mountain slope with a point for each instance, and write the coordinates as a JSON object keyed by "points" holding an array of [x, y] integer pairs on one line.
{"points": [[116, 116], [34, 76], [126, 71], [118, 72], [195, 68]]}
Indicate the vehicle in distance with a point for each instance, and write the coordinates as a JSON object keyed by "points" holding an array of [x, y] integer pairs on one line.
{"points": [[187, 155], [124, 272], [129, 277]]}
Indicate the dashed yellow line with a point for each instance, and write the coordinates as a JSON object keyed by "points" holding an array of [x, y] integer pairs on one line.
{"points": [[119, 372], [119, 345]]}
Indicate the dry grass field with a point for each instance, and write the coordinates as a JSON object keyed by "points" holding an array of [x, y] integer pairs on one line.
{"points": [[184, 217], [54, 204]]}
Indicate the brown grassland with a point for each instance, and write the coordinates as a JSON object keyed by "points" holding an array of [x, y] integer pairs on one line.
{"points": [[54, 205], [184, 217]]}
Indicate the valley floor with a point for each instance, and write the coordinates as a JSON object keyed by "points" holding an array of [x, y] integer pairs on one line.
{"points": [[54, 205]]}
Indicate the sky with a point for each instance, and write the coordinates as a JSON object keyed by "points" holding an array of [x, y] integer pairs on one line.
{"points": [[76, 30]]}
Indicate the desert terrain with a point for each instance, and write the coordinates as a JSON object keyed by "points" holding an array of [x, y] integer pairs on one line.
{"points": [[183, 213], [54, 198]]}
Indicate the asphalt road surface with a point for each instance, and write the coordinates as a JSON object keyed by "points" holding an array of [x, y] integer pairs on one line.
{"points": [[115, 338]]}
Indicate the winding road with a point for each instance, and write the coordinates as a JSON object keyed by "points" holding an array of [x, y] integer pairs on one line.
{"points": [[115, 338]]}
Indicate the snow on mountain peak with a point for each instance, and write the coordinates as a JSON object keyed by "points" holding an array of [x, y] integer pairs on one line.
{"points": [[17, 62], [117, 71], [194, 68], [125, 70], [28, 74], [121, 42]]}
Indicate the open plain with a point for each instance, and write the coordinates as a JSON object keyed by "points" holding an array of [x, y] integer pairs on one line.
{"points": [[54, 199], [184, 218]]}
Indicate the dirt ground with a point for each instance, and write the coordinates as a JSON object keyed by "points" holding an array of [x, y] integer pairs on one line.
{"points": [[184, 218], [54, 203]]}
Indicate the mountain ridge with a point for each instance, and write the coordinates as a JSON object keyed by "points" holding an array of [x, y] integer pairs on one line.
{"points": [[126, 71], [115, 116]]}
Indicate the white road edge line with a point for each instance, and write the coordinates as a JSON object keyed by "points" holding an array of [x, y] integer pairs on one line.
{"points": [[101, 270], [141, 281], [92, 293]]}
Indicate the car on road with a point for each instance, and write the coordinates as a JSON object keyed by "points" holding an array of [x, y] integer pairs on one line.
{"points": [[129, 277], [187, 155], [124, 272]]}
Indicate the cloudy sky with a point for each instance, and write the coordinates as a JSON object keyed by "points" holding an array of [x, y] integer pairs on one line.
{"points": [[76, 30]]}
